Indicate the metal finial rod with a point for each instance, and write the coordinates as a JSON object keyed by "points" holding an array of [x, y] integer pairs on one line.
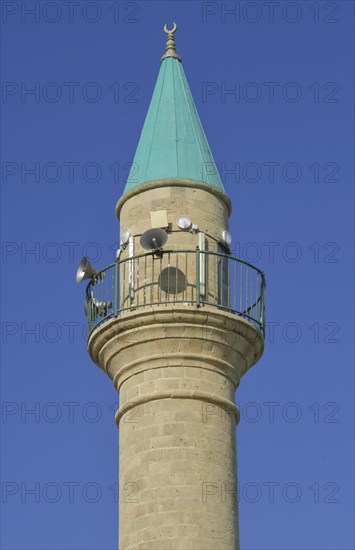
{"points": [[170, 42]]}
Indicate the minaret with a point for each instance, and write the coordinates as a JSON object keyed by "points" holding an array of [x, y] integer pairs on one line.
{"points": [[175, 322]]}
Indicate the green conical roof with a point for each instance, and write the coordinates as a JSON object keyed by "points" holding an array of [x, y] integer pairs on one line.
{"points": [[172, 143]]}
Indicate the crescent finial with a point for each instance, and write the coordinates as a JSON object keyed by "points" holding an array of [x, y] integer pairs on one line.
{"points": [[170, 43], [170, 31]]}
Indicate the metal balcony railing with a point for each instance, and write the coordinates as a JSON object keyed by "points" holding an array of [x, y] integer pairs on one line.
{"points": [[185, 277]]}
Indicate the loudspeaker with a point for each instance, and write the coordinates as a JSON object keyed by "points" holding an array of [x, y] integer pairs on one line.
{"points": [[93, 307], [85, 271], [153, 239], [172, 280]]}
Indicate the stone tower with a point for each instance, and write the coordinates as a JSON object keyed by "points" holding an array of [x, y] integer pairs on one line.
{"points": [[175, 322]]}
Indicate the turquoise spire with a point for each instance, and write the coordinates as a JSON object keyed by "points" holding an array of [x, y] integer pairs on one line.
{"points": [[172, 143]]}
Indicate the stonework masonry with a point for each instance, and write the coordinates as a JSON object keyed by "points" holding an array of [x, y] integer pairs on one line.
{"points": [[176, 367]]}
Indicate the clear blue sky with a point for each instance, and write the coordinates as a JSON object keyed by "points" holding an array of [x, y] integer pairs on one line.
{"points": [[289, 132]]}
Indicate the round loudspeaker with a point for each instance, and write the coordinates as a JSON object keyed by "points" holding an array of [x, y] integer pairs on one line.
{"points": [[172, 280], [153, 239]]}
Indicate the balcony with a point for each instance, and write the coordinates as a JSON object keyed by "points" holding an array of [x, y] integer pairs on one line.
{"points": [[193, 278]]}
